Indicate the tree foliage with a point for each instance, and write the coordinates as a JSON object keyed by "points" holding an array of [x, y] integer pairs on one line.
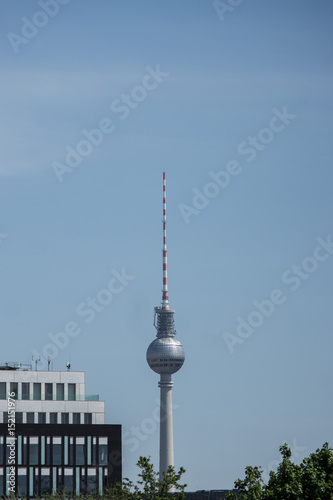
{"points": [[311, 480], [150, 486]]}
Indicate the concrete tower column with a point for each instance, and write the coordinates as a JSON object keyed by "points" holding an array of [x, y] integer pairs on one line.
{"points": [[166, 427]]}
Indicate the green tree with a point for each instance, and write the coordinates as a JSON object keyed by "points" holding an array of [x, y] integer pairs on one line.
{"points": [[317, 474], [150, 486], [250, 488], [285, 484], [311, 480]]}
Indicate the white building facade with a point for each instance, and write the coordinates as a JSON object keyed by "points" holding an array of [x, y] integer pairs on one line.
{"points": [[49, 397]]}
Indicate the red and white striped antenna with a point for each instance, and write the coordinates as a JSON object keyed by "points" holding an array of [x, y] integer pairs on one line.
{"points": [[165, 298]]}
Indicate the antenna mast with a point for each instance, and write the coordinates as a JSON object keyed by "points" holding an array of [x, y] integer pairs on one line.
{"points": [[165, 298]]}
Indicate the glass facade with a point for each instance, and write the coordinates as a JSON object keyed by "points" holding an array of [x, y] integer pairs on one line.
{"points": [[52, 391], [57, 457], [62, 463]]}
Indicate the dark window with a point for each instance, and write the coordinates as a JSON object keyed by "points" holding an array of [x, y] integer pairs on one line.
{"points": [[24, 451], [71, 392], [42, 418], [103, 454], [56, 454], [71, 452], [19, 417], [22, 485], [5, 417], [88, 418], [37, 391], [25, 390], [48, 453], [53, 418], [1, 455], [30, 417], [49, 392], [68, 483], [33, 454], [60, 392], [65, 418], [14, 389], [76, 418], [45, 484], [94, 453], [80, 455], [3, 394], [91, 483], [36, 483]]}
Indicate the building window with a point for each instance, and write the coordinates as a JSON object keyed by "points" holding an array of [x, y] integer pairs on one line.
{"points": [[19, 417], [45, 484], [5, 417], [30, 417], [71, 392], [53, 418], [48, 392], [37, 391], [88, 418], [80, 451], [68, 482], [1, 452], [76, 418], [14, 389], [3, 394], [103, 451], [56, 451], [22, 482], [25, 390], [33, 451], [42, 418], [65, 418], [91, 481], [60, 392]]}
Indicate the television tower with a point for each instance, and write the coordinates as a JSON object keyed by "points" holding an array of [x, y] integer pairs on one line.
{"points": [[165, 356]]}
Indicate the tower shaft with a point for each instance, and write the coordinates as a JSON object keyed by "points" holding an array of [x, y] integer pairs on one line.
{"points": [[166, 424]]}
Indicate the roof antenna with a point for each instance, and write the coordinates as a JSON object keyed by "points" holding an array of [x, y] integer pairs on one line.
{"points": [[36, 361]]}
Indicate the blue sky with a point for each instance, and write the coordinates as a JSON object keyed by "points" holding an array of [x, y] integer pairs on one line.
{"points": [[220, 81]]}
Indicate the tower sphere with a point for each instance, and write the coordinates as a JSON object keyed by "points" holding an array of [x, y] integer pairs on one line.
{"points": [[165, 355]]}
